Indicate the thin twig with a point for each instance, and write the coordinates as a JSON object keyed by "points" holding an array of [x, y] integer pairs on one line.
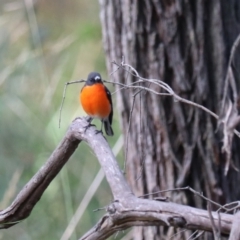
{"points": [[219, 225], [63, 99], [214, 228], [177, 233], [189, 189], [192, 235], [233, 50], [227, 209], [166, 87], [128, 133], [200, 233]]}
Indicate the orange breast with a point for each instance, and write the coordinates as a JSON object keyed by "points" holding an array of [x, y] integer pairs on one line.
{"points": [[95, 102]]}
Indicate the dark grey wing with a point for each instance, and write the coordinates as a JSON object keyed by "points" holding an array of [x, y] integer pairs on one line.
{"points": [[110, 100]]}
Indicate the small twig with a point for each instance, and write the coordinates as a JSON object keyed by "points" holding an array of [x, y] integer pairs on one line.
{"points": [[214, 228], [219, 225], [63, 99], [233, 50], [177, 233], [99, 209], [227, 209], [189, 189], [195, 232], [166, 87], [169, 90], [200, 233], [114, 71], [128, 132], [155, 81]]}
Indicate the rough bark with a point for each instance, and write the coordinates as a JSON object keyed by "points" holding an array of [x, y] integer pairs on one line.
{"points": [[186, 44]]}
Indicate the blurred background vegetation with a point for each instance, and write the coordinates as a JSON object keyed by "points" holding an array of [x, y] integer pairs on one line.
{"points": [[43, 45]]}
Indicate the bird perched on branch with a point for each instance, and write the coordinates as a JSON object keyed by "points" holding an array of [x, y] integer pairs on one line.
{"points": [[96, 101]]}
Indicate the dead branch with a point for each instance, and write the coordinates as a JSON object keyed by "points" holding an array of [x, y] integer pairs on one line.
{"points": [[216, 233], [168, 91], [33, 190], [235, 232], [64, 96], [132, 211], [126, 210]]}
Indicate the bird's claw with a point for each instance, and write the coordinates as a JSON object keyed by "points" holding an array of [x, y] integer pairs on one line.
{"points": [[88, 126], [98, 131]]}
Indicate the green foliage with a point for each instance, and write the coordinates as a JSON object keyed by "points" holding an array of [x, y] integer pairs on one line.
{"points": [[41, 48]]}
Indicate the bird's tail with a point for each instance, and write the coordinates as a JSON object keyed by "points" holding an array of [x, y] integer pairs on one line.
{"points": [[108, 128]]}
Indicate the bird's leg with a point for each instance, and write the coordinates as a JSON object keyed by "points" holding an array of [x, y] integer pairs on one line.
{"points": [[100, 131], [89, 120]]}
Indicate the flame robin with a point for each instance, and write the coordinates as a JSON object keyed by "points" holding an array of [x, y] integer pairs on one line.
{"points": [[96, 101]]}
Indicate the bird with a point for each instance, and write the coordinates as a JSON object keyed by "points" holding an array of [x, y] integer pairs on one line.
{"points": [[96, 101]]}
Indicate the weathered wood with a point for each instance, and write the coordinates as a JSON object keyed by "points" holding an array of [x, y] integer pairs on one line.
{"points": [[133, 211], [126, 210], [235, 231], [28, 197], [186, 44]]}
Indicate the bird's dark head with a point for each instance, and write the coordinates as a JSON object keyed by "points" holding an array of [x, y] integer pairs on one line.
{"points": [[93, 78]]}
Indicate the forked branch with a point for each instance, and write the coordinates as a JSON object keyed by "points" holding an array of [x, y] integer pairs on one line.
{"points": [[126, 210]]}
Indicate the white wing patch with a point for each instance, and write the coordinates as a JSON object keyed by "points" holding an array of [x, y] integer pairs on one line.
{"points": [[97, 78]]}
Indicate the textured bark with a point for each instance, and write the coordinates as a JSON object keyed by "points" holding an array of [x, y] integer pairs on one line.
{"points": [[186, 44]]}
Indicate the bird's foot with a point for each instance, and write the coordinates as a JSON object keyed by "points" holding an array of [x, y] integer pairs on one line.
{"points": [[98, 131], [88, 126], [89, 119]]}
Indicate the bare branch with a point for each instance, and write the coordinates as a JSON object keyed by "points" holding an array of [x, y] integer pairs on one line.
{"points": [[235, 231], [214, 228], [88, 196], [126, 210], [63, 98], [197, 233], [33, 190], [167, 88], [229, 109], [143, 212], [191, 190], [233, 50]]}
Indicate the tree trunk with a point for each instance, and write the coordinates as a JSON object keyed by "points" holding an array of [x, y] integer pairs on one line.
{"points": [[170, 144]]}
